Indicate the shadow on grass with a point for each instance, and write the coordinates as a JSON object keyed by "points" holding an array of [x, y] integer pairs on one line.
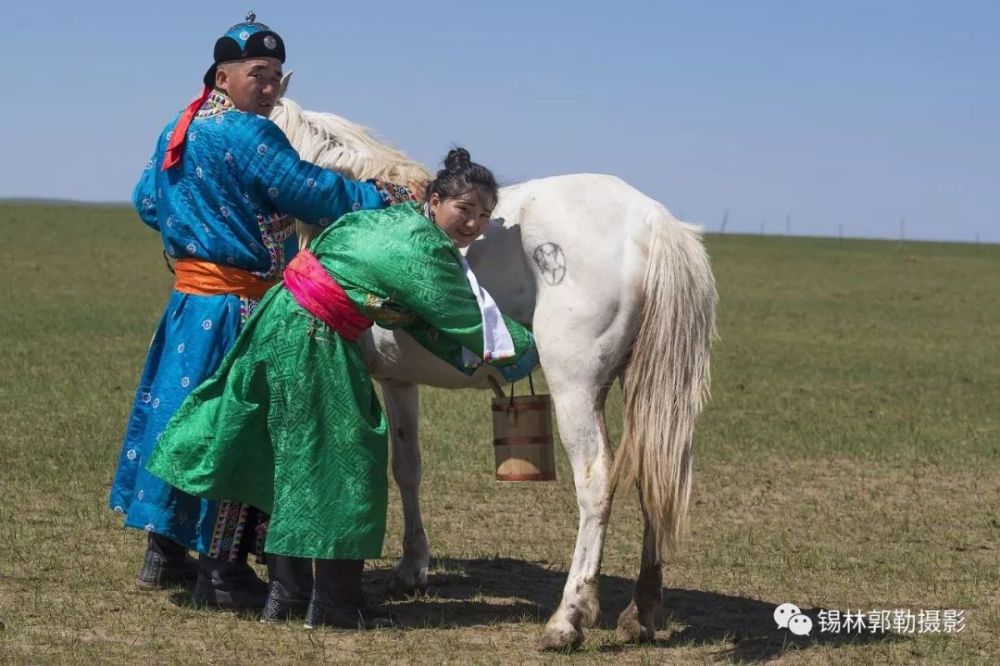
{"points": [[466, 593]]}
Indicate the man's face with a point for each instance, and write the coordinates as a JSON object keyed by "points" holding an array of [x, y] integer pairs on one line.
{"points": [[253, 84]]}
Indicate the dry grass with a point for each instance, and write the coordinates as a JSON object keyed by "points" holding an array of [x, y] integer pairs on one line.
{"points": [[848, 460]]}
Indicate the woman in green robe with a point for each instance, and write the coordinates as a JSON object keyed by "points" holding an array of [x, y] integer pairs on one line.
{"points": [[291, 423]]}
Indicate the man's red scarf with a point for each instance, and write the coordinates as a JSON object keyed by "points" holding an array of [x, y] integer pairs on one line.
{"points": [[175, 148]]}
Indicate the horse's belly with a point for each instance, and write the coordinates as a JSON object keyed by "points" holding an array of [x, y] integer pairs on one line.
{"points": [[394, 355]]}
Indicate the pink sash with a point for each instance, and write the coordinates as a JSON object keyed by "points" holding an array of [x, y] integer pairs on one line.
{"points": [[320, 295]]}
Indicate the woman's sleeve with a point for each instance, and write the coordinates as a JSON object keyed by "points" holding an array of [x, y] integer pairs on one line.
{"points": [[435, 288]]}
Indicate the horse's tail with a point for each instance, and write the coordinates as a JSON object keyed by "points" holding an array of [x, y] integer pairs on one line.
{"points": [[666, 380]]}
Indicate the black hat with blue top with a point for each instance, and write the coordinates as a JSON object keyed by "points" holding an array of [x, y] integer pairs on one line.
{"points": [[246, 40]]}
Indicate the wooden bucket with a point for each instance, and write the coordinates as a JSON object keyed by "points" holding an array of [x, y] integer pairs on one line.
{"points": [[522, 438]]}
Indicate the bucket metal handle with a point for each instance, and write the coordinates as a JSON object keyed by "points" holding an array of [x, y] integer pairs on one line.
{"points": [[531, 385]]}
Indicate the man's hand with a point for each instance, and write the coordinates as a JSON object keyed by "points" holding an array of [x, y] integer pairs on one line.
{"points": [[418, 188]]}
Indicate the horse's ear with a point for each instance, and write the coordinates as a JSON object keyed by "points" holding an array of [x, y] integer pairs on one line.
{"points": [[283, 88]]}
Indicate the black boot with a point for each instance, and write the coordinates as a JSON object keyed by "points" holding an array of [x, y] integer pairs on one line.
{"points": [[337, 599], [166, 564], [291, 586], [229, 585]]}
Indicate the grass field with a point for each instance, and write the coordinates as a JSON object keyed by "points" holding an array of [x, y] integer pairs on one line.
{"points": [[849, 460]]}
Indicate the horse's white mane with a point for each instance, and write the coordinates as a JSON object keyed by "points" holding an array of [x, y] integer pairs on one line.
{"points": [[337, 144]]}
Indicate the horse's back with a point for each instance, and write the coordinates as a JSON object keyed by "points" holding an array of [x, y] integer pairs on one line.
{"points": [[587, 231], [598, 213]]}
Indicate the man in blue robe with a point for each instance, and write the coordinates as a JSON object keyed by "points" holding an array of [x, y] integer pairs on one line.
{"points": [[223, 188]]}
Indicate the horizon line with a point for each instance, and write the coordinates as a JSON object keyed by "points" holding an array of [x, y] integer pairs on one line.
{"points": [[63, 201]]}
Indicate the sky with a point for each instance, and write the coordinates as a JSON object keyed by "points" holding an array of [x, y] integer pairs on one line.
{"points": [[862, 118]]}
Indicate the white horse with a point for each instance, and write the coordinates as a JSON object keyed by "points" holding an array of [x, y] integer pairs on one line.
{"points": [[614, 287]]}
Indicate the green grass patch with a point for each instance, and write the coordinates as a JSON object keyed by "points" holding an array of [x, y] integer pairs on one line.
{"points": [[847, 460]]}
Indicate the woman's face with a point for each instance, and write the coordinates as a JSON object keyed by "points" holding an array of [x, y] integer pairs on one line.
{"points": [[462, 218]]}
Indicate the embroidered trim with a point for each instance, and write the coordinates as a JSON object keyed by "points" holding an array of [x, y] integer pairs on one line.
{"points": [[275, 229], [228, 532], [217, 102], [247, 307], [391, 193]]}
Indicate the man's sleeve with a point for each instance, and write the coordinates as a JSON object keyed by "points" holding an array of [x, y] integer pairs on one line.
{"points": [[299, 188], [144, 195]]}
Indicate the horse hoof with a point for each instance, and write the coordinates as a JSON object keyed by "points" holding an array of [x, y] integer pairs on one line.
{"points": [[562, 637], [631, 630], [399, 589]]}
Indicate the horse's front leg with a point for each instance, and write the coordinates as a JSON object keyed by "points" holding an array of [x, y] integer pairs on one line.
{"points": [[580, 411], [402, 402]]}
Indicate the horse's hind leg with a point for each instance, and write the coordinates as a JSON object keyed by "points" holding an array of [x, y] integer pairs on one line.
{"points": [[401, 405], [580, 412], [637, 622], [582, 356]]}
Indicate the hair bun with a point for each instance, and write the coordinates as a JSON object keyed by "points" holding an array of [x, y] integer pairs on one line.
{"points": [[458, 160], [461, 175]]}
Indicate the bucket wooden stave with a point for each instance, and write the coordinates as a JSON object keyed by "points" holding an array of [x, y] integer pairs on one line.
{"points": [[522, 438]]}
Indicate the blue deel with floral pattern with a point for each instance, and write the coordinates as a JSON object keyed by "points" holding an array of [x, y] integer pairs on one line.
{"points": [[231, 200]]}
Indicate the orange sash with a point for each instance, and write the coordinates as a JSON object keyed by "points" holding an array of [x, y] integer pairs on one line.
{"points": [[203, 278]]}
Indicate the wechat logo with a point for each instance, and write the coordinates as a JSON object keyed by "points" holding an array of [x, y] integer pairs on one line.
{"points": [[789, 616]]}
